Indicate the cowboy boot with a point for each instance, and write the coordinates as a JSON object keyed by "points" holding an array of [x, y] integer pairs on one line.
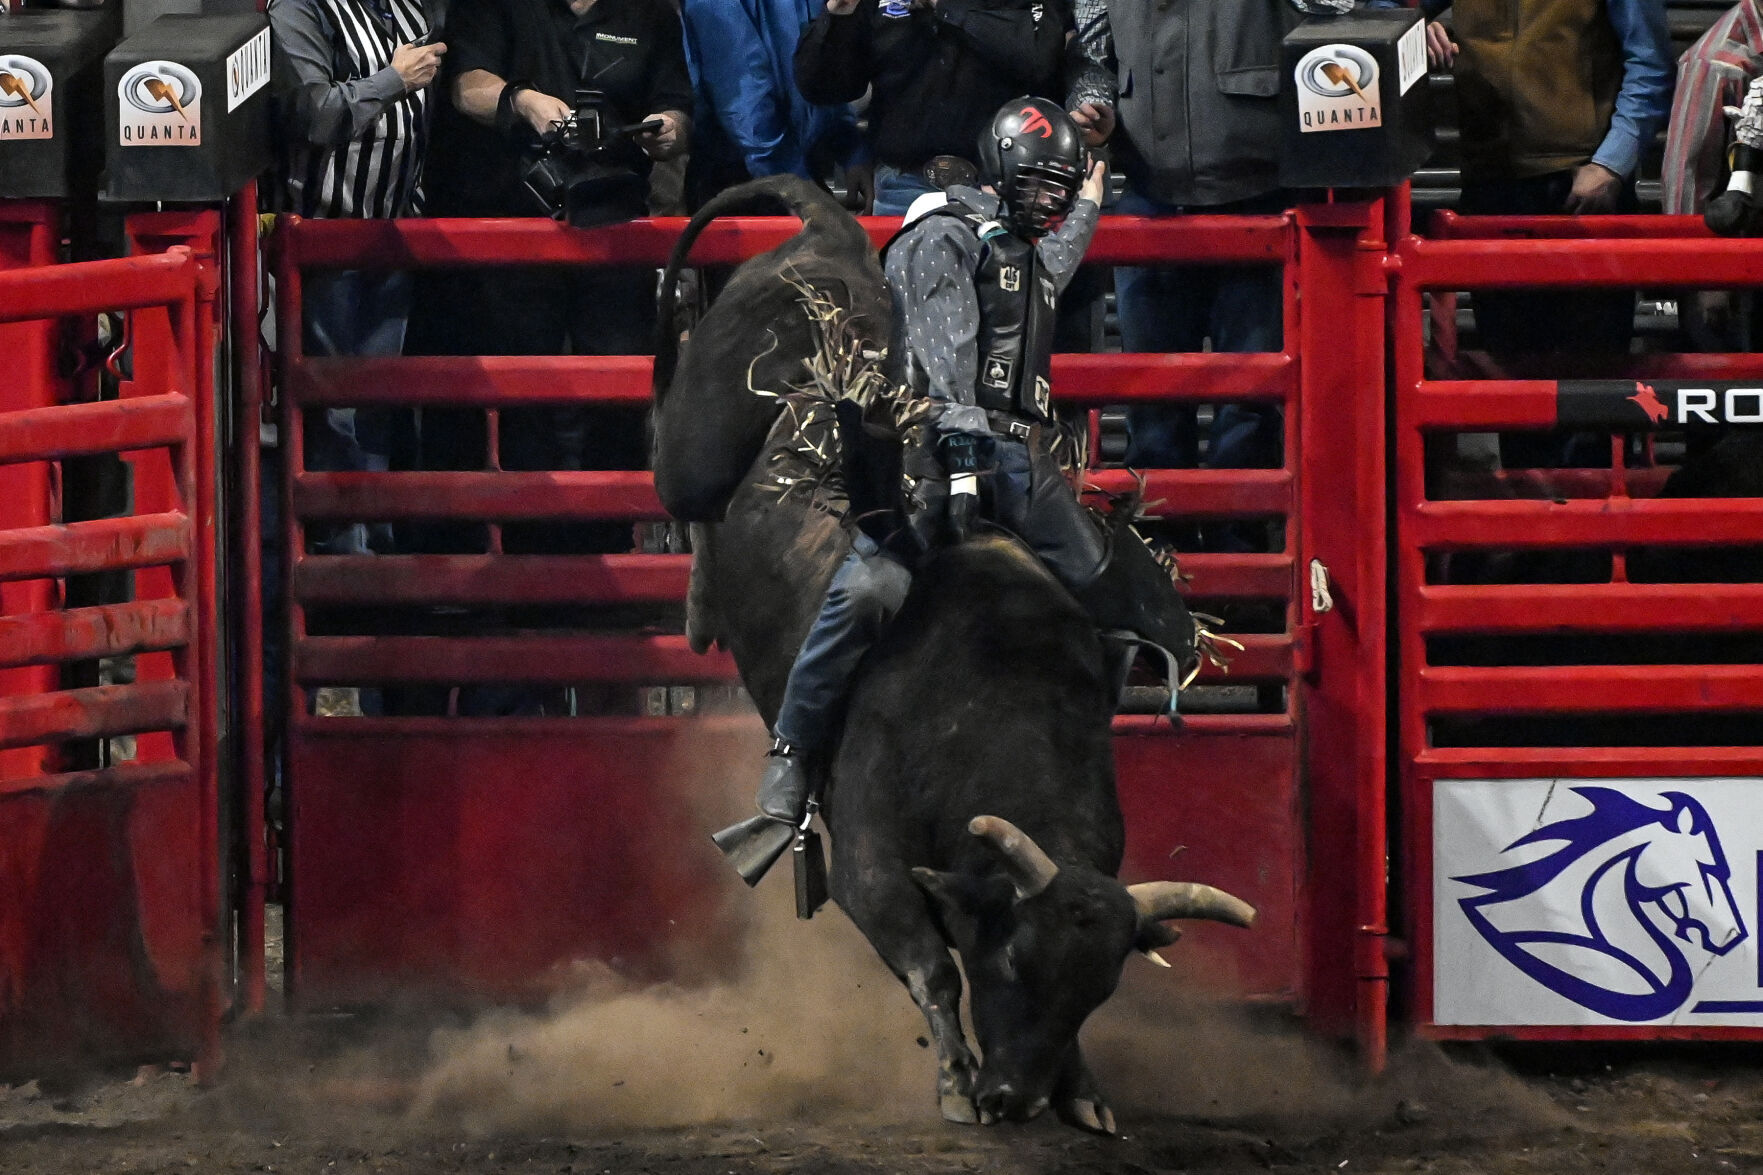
{"points": [[784, 789]]}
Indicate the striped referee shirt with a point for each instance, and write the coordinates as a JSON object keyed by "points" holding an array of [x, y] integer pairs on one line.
{"points": [[352, 139], [1713, 73]]}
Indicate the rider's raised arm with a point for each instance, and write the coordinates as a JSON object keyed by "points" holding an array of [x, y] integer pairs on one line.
{"points": [[1063, 251], [930, 272]]}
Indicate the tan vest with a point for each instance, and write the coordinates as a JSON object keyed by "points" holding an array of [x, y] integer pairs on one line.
{"points": [[1536, 83]]}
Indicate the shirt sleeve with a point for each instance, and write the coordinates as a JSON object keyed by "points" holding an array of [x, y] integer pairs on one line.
{"points": [[832, 58], [735, 70], [1061, 252], [1696, 136], [1644, 101], [477, 38], [670, 82], [1024, 42], [930, 271], [1090, 61], [321, 107]]}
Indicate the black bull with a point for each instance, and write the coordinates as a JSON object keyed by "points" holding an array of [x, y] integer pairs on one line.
{"points": [[971, 798]]}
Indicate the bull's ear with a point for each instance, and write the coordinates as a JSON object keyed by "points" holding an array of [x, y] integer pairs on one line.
{"points": [[945, 889], [1153, 934]]}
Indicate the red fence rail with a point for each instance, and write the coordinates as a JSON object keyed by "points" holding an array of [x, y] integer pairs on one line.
{"points": [[110, 927]]}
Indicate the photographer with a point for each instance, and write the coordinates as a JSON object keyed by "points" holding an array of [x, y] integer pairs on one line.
{"points": [[515, 69]]}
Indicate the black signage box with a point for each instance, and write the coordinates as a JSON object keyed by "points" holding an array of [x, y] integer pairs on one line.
{"points": [[187, 109], [1353, 100], [51, 101]]}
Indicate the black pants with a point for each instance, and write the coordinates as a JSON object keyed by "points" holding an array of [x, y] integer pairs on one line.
{"points": [[541, 311]]}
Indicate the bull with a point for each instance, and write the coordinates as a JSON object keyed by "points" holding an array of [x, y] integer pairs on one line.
{"points": [[971, 798]]}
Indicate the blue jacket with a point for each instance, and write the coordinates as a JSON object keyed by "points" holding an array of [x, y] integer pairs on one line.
{"points": [[741, 54]]}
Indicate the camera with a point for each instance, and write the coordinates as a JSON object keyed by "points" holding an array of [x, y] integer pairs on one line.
{"points": [[586, 170]]}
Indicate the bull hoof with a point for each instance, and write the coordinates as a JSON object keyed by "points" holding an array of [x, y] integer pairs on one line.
{"points": [[958, 1108], [1085, 1114]]}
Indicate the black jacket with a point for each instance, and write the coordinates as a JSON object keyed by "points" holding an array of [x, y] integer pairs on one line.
{"points": [[632, 50], [939, 74]]}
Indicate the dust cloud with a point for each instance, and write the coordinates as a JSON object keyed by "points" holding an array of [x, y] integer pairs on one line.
{"points": [[807, 1026], [812, 1027], [1161, 1050]]}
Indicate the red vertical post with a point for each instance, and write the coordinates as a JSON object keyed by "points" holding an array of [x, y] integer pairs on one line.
{"points": [[200, 231], [247, 602], [1339, 437]]}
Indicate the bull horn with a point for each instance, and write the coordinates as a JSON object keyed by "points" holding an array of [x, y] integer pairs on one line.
{"points": [[1157, 900], [1031, 870]]}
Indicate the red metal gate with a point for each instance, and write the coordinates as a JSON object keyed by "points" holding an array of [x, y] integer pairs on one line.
{"points": [[110, 927], [1572, 692], [446, 854]]}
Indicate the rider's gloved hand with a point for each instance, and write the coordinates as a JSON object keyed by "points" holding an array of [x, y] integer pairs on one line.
{"points": [[964, 456], [965, 453]]}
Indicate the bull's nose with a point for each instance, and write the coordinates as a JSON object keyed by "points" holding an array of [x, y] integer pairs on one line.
{"points": [[1005, 1101]]}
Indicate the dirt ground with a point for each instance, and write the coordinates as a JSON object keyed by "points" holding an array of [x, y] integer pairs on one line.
{"points": [[1433, 1113], [810, 1061]]}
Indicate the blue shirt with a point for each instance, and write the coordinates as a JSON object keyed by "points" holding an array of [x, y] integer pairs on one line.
{"points": [[741, 54], [1643, 102]]}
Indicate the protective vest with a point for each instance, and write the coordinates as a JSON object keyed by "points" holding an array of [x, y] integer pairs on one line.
{"points": [[1018, 301]]}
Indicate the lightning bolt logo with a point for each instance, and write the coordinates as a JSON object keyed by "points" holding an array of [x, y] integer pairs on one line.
{"points": [[164, 91], [17, 87]]}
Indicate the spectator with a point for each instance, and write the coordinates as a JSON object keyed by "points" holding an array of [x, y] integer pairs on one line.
{"points": [[937, 71], [752, 120], [1198, 132], [514, 71], [1557, 101], [1713, 74], [352, 119]]}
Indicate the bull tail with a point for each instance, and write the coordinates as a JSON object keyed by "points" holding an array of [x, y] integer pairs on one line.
{"points": [[821, 216]]}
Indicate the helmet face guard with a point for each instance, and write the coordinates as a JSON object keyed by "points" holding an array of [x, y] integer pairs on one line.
{"points": [[1038, 199], [1033, 156]]}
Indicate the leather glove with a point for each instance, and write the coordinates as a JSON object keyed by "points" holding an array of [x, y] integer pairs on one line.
{"points": [[965, 453]]}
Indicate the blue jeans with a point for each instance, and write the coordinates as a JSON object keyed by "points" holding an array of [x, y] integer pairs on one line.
{"points": [[1027, 495], [1165, 309], [865, 592], [353, 312], [895, 190]]}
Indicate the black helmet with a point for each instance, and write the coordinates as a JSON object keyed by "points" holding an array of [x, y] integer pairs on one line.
{"points": [[1033, 156]]}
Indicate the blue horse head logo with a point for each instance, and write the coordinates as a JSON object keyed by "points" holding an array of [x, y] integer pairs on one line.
{"points": [[1663, 868]]}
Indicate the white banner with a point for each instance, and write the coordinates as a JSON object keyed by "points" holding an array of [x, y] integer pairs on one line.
{"points": [[1597, 901], [247, 70]]}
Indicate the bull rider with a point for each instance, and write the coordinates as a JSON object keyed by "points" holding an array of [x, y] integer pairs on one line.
{"points": [[975, 285]]}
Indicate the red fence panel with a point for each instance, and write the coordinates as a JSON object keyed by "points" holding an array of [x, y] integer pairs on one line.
{"points": [[450, 855], [1579, 686], [110, 911]]}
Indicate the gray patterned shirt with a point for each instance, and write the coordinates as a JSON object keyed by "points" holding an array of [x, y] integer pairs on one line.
{"points": [[930, 271]]}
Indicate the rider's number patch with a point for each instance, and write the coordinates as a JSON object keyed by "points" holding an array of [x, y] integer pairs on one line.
{"points": [[1010, 279]]}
